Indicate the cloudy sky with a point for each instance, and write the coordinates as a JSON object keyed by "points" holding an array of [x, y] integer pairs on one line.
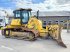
{"points": [[42, 5]]}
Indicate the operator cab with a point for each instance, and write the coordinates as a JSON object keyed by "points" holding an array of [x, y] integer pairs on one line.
{"points": [[22, 14]]}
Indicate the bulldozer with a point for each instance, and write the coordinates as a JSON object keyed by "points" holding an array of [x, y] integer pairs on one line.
{"points": [[27, 27]]}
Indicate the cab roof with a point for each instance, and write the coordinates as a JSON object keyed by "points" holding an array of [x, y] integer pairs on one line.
{"points": [[21, 9]]}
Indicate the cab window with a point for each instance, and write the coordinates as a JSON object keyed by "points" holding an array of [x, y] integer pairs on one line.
{"points": [[25, 17], [17, 13]]}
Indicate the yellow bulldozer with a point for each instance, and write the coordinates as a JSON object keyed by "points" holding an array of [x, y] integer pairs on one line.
{"points": [[27, 27]]}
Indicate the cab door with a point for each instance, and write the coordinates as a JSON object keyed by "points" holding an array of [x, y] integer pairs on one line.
{"points": [[25, 17]]}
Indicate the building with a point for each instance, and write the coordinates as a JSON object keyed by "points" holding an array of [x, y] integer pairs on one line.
{"points": [[54, 17]]}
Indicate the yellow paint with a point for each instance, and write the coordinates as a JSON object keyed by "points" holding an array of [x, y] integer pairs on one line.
{"points": [[37, 25], [16, 22], [7, 32]]}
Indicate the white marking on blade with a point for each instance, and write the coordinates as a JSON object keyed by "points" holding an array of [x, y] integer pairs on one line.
{"points": [[7, 47]]}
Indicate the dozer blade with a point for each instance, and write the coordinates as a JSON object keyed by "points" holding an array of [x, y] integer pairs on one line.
{"points": [[59, 40], [61, 43]]}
